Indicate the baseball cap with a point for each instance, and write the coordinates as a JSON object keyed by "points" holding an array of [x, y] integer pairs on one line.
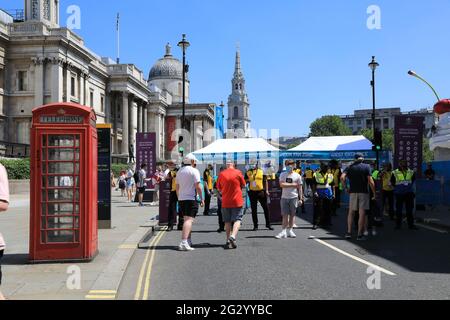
{"points": [[359, 156], [189, 158]]}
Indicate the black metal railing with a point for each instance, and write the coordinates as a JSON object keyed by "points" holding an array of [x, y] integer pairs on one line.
{"points": [[14, 150]]}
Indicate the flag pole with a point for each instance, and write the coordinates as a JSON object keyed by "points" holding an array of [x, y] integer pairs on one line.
{"points": [[118, 38]]}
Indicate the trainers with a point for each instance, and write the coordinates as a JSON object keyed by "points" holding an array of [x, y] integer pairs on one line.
{"points": [[361, 238], [291, 234], [374, 232], [366, 233], [228, 245], [281, 235], [348, 236], [233, 242], [185, 247], [190, 242]]}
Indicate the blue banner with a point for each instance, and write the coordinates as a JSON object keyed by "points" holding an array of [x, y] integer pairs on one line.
{"points": [[220, 131]]}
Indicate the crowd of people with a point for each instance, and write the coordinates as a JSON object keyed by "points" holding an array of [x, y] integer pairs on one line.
{"points": [[323, 187]]}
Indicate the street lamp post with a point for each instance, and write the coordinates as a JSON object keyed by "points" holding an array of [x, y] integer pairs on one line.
{"points": [[373, 65], [413, 74], [184, 44]]}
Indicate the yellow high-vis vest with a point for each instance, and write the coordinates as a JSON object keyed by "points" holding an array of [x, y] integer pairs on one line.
{"points": [[256, 179]]}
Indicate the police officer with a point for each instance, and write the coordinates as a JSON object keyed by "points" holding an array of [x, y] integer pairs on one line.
{"points": [[323, 196], [336, 172], [259, 191], [173, 198], [403, 180]]}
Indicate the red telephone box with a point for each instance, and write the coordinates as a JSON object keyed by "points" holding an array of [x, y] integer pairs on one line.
{"points": [[63, 223]]}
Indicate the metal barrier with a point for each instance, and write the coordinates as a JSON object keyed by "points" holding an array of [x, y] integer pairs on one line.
{"points": [[14, 150]]}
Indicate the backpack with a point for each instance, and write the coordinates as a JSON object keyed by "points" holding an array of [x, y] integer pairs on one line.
{"points": [[136, 177]]}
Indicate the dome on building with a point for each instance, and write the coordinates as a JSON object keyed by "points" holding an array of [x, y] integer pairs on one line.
{"points": [[167, 67]]}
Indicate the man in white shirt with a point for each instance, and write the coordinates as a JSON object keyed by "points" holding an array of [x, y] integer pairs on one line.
{"points": [[291, 198], [188, 189]]}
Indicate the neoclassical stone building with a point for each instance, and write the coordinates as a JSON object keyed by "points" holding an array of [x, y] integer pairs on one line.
{"points": [[41, 62]]}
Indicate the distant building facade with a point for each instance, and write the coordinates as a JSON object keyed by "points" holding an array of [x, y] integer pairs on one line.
{"points": [[385, 119], [41, 63]]}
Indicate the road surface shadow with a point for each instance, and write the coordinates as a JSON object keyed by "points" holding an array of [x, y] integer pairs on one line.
{"points": [[418, 251]]}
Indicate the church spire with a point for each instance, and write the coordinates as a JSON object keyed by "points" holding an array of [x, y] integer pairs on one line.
{"points": [[237, 69]]}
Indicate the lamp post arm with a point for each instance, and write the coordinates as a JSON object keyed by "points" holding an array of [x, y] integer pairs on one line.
{"points": [[428, 84]]}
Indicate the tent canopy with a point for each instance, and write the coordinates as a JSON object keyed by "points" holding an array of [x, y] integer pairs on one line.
{"points": [[237, 149], [328, 148], [344, 143]]}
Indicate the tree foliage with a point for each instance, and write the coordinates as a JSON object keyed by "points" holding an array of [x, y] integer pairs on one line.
{"points": [[17, 169], [388, 138], [329, 126]]}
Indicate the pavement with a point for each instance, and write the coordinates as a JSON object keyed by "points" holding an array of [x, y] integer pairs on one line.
{"points": [[319, 264], [99, 279]]}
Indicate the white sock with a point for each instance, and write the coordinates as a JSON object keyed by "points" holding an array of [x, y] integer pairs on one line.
{"points": [[184, 242]]}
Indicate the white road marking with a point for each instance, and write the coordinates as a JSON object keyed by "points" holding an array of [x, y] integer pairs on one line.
{"points": [[431, 228], [353, 257]]}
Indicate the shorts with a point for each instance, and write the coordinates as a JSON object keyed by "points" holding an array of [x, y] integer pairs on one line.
{"points": [[359, 201], [188, 208], [1, 255], [230, 215], [141, 190], [289, 207]]}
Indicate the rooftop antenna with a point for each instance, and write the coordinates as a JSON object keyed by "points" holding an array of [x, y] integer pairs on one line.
{"points": [[118, 37]]}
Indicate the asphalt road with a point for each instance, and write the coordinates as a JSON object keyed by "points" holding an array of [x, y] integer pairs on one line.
{"points": [[404, 265]]}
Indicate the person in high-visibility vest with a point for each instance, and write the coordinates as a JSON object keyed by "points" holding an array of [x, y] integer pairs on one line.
{"points": [[259, 192], [323, 197], [208, 185], [403, 180], [336, 172], [173, 198], [387, 191]]}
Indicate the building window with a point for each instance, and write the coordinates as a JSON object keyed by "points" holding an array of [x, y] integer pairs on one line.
{"points": [[102, 104], [350, 122], [236, 126], [236, 86], [22, 81], [236, 113], [180, 89]]}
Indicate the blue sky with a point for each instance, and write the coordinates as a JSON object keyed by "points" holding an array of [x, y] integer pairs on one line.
{"points": [[301, 59]]}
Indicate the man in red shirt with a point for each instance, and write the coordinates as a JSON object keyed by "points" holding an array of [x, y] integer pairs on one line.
{"points": [[230, 185]]}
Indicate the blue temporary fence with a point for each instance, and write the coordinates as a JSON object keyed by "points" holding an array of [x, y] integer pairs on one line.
{"points": [[428, 192]]}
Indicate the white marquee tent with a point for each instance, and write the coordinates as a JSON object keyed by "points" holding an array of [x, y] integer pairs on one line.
{"points": [[252, 148]]}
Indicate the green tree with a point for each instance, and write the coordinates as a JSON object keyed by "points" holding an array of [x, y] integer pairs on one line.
{"points": [[388, 138], [329, 126], [428, 155]]}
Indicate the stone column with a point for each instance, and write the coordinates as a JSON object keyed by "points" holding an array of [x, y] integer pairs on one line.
{"points": [[57, 90], [145, 117], [115, 112], [38, 81], [132, 117], [81, 87], [139, 117], [125, 124]]}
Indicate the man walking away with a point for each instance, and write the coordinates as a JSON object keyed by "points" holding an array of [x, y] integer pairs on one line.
{"points": [[292, 196], [219, 205], [360, 178], [230, 185], [259, 192], [188, 188], [403, 179], [4, 204], [208, 186]]}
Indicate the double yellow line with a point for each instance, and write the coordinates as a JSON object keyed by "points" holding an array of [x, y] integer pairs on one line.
{"points": [[147, 265]]}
